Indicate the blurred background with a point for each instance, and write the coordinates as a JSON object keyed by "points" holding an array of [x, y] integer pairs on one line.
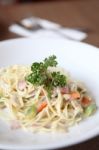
{"points": [[3, 2], [78, 19]]}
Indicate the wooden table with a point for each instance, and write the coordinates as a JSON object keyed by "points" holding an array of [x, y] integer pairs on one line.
{"points": [[69, 13]]}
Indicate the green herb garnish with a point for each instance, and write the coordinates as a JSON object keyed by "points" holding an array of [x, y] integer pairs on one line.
{"points": [[50, 62], [58, 79], [41, 76]]}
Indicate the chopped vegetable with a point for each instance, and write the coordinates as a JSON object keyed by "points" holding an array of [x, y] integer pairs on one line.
{"points": [[75, 95], [41, 76], [85, 101], [90, 110], [42, 106], [31, 111]]}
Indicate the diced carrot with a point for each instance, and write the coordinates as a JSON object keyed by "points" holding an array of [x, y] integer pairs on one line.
{"points": [[42, 106], [75, 95], [85, 101]]}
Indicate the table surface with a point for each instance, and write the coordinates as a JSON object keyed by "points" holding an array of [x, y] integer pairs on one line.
{"points": [[69, 13]]}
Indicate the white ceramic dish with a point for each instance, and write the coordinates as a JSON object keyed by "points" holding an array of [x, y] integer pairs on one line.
{"points": [[81, 60]]}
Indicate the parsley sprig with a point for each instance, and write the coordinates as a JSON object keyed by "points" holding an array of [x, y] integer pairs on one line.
{"points": [[41, 76]]}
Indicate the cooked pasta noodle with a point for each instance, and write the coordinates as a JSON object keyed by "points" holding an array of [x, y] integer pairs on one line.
{"points": [[29, 106]]}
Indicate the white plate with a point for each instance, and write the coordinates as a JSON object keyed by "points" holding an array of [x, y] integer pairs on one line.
{"points": [[81, 60]]}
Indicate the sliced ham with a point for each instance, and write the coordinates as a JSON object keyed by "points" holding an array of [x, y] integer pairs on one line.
{"points": [[21, 85], [64, 90]]}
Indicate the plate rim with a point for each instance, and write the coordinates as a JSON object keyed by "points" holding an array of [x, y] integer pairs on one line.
{"points": [[31, 38]]}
